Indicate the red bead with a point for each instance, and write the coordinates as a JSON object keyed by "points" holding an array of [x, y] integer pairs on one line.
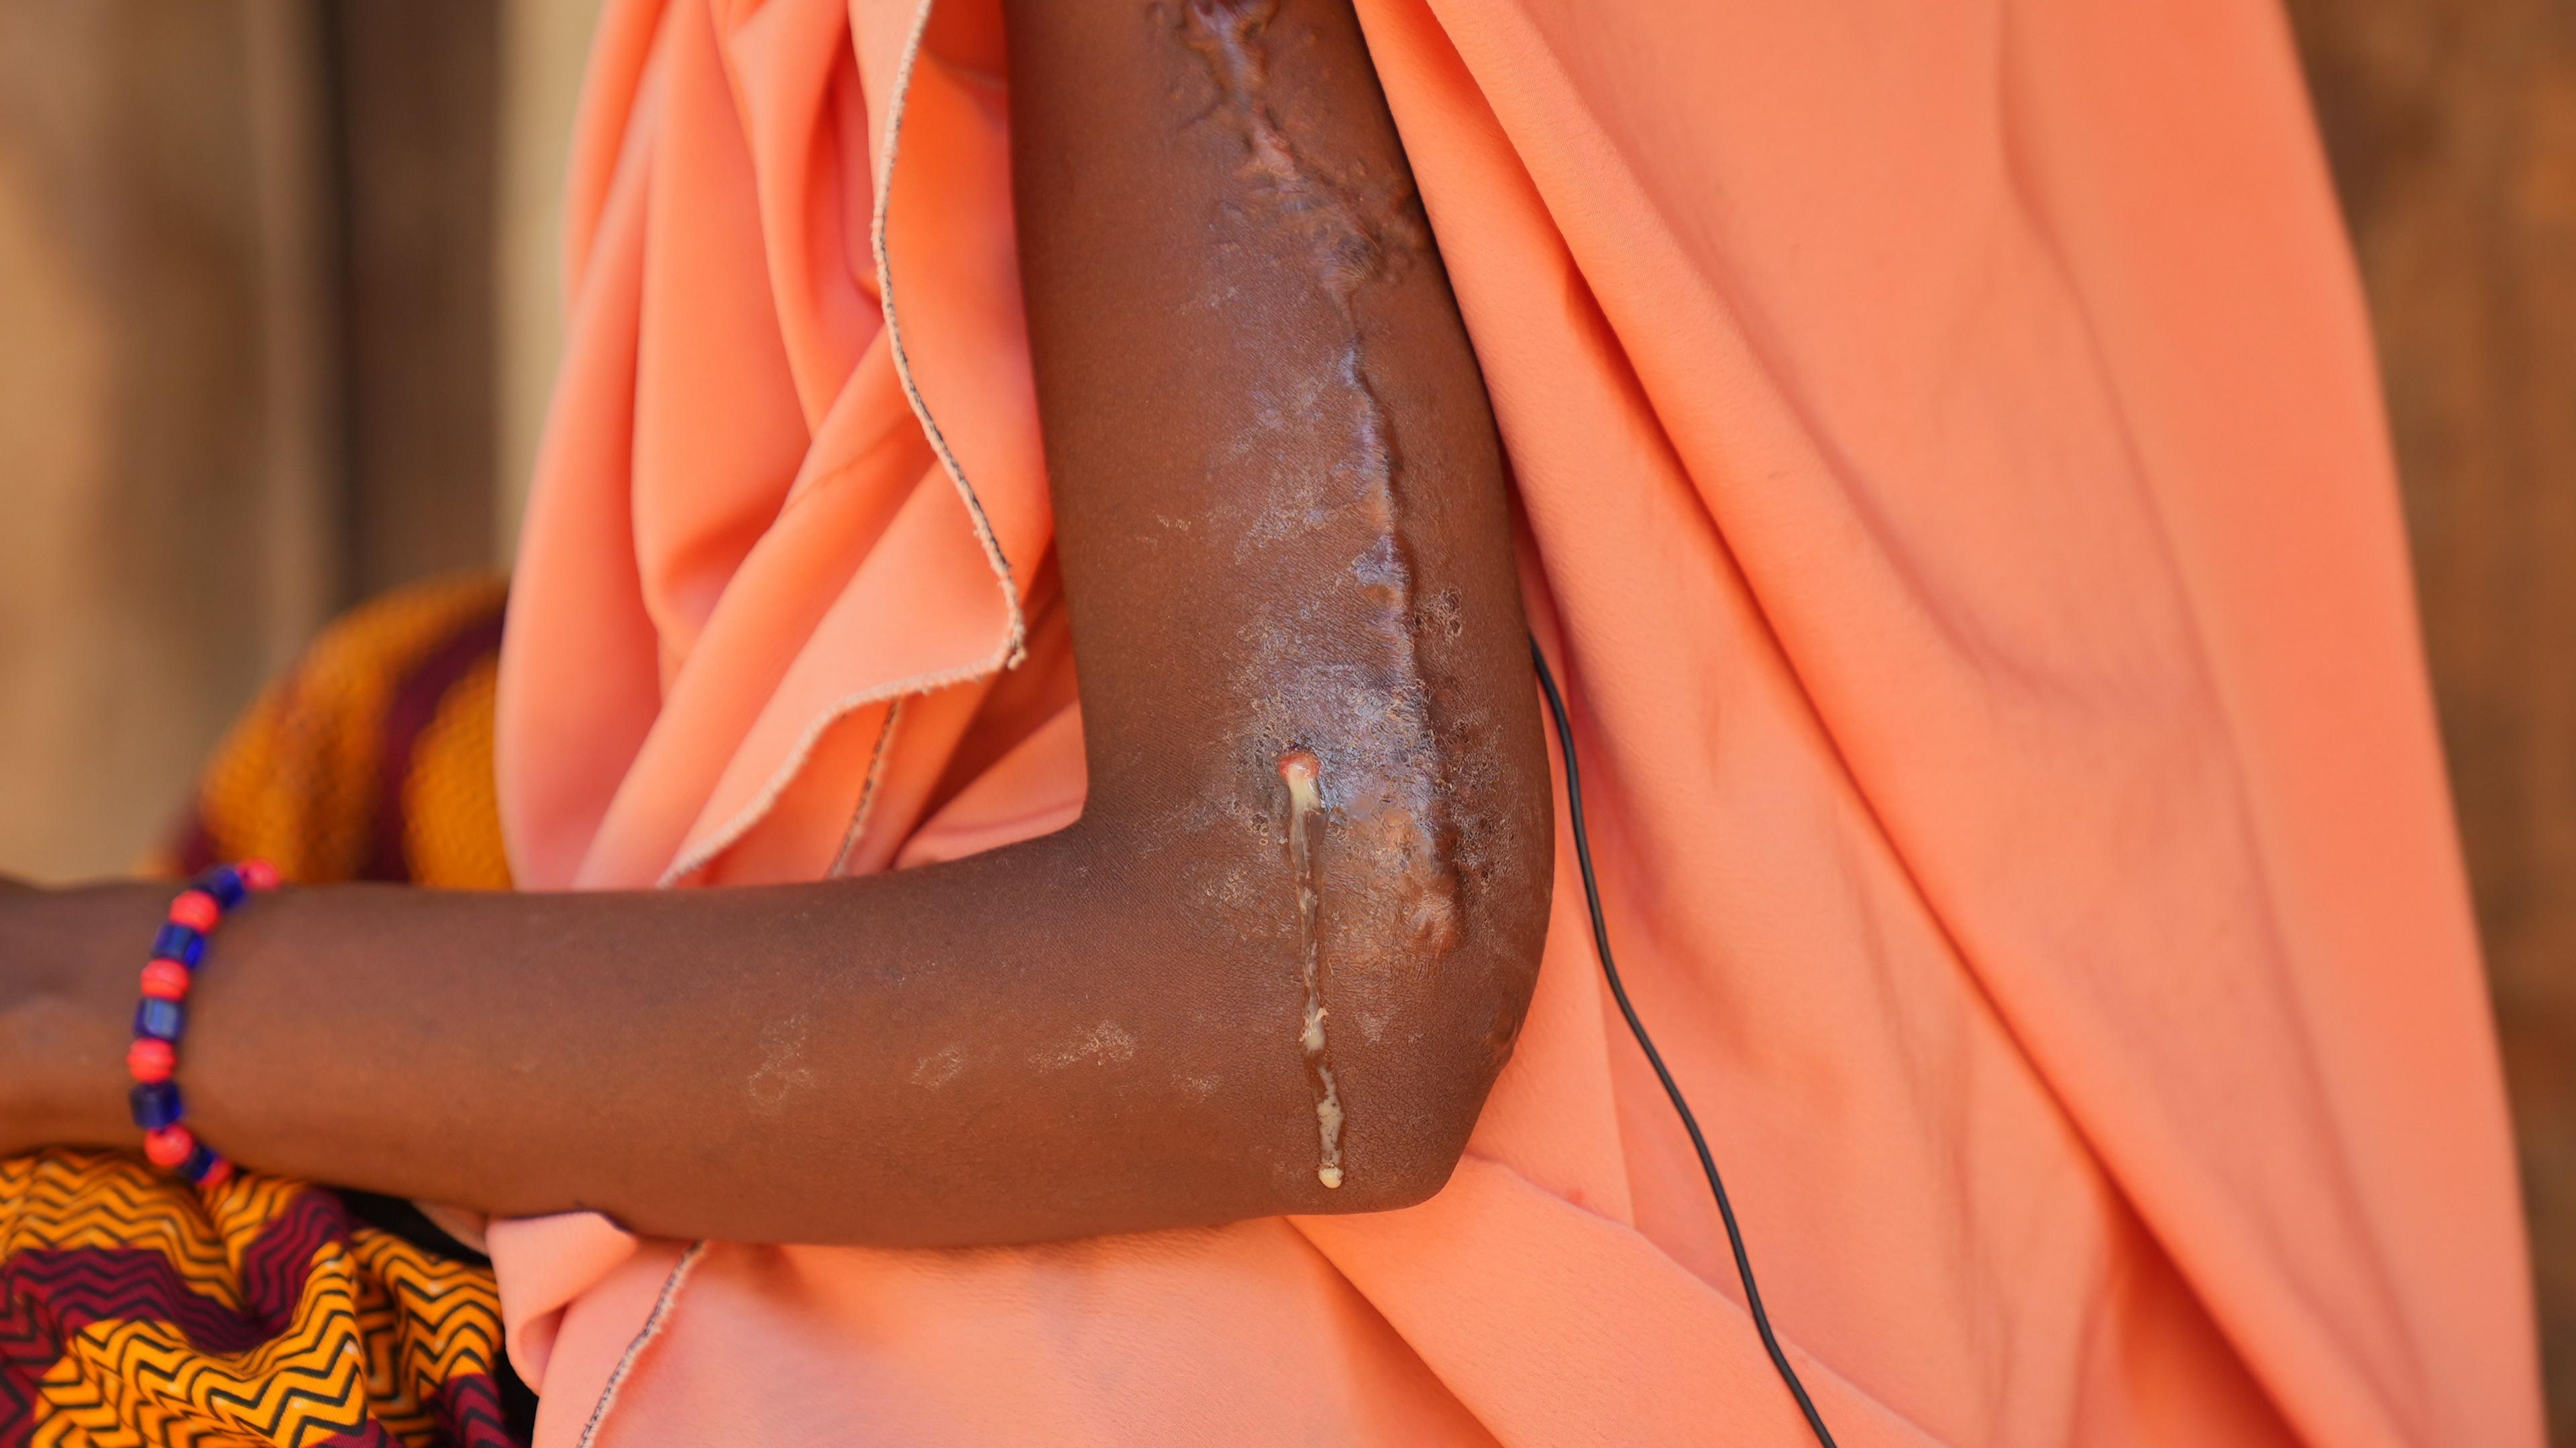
{"points": [[218, 1174], [198, 911], [148, 1060], [166, 980], [169, 1147], [257, 874]]}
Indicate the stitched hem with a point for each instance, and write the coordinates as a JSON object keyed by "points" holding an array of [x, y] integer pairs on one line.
{"points": [[1014, 645], [654, 1322], [867, 793], [1018, 635]]}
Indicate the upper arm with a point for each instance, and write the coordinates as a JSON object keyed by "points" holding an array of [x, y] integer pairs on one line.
{"points": [[1283, 518]]}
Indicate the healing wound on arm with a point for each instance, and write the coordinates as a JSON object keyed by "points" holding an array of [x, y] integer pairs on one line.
{"points": [[1341, 689]]}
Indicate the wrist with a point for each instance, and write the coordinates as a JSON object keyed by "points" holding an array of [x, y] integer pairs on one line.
{"points": [[66, 1017]]}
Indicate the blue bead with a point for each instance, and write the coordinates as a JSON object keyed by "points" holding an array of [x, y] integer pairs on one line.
{"points": [[156, 1104], [161, 1020], [224, 883], [178, 942], [199, 1162]]}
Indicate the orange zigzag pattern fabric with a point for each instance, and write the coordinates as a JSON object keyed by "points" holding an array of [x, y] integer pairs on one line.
{"points": [[137, 1312]]}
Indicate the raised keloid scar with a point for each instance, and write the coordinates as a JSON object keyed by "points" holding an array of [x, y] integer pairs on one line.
{"points": [[1349, 728]]}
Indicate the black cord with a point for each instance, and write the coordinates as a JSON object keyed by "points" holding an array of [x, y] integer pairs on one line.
{"points": [[1654, 1058]]}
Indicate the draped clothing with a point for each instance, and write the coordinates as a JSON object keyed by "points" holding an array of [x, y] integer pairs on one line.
{"points": [[1957, 501]]}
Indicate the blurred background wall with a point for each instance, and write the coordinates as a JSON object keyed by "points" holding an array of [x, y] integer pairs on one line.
{"points": [[278, 310], [2451, 125]]}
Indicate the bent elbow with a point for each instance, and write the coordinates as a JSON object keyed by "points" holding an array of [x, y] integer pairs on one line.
{"points": [[1420, 1023], [1408, 1121], [1388, 907]]}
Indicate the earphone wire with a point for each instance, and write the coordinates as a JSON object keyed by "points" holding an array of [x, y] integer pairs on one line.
{"points": [[1654, 1058]]}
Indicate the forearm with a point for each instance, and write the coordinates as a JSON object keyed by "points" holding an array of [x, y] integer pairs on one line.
{"points": [[1025, 1045]]}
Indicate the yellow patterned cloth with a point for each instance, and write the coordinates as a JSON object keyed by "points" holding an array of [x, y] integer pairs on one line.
{"points": [[137, 1311]]}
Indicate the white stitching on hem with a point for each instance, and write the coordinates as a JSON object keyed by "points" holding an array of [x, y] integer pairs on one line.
{"points": [[716, 844], [1018, 637], [654, 1321], [1015, 639], [867, 793]]}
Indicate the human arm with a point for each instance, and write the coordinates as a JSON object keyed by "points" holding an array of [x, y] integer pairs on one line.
{"points": [[1282, 526]]}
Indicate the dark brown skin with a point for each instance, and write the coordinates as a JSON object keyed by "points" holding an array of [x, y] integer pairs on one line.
{"points": [[1283, 527]]}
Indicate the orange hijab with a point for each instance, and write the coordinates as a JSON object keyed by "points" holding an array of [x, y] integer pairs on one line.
{"points": [[1956, 501]]}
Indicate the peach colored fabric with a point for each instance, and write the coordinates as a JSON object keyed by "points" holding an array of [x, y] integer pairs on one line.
{"points": [[1957, 503]]}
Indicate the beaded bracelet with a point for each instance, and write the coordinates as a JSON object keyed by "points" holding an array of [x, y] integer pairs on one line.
{"points": [[163, 1014]]}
